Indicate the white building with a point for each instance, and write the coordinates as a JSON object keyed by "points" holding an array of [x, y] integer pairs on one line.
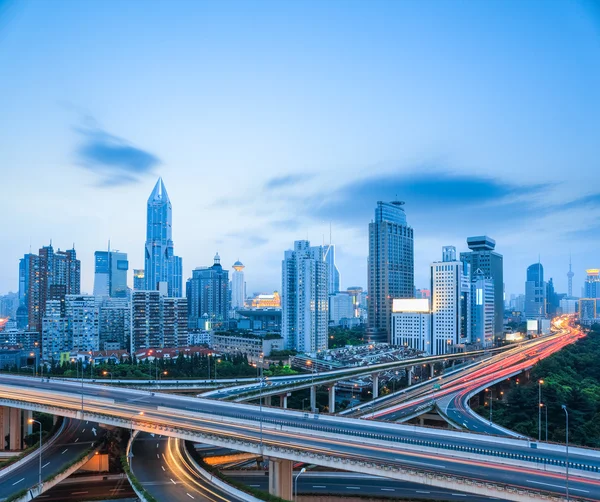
{"points": [[253, 347], [238, 286], [54, 332], [304, 298], [482, 310], [451, 305], [569, 305], [411, 323], [341, 306], [82, 315]]}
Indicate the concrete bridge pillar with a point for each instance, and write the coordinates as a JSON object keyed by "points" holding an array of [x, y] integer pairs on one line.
{"points": [[27, 427], [431, 370], [283, 400], [280, 478], [375, 377], [16, 439], [332, 398], [4, 426], [411, 374], [313, 398], [267, 400]]}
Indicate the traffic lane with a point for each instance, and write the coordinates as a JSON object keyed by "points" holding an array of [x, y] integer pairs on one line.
{"points": [[76, 438], [96, 489], [162, 478], [347, 484], [296, 419]]}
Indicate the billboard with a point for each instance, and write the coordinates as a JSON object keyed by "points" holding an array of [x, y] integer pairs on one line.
{"points": [[410, 305]]}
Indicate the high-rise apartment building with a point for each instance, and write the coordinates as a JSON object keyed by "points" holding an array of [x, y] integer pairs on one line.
{"points": [[81, 313], [207, 294], [51, 275], [589, 311], [341, 307], [24, 286], [114, 323], [110, 274], [304, 298], [157, 321], [161, 264], [591, 287], [54, 331], [535, 292], [451, 303], [482, 309], [238, 286], [139, 281], [483, 257], [333, 278], [390, 266]]}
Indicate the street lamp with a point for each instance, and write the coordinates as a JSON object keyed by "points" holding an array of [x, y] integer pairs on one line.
{"points": [[161, 375], [31, 421], [108, 373], [491, 403], [262, 382], [564, 407], [540, 383], [302, 471], [131, 441]]}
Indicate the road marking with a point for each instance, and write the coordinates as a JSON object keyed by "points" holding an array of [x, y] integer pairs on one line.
{"points": [[163, 467], [388, 490], [46, 465], [459, 494], [157, 455], [115, 490], [157, 445], [79, 493], [421, 491], [76, 439], [420, 463], [83, 430], [556, 486], [64, 451], [353, 488], [17, 482], [173, 481], [189, 495], [319, 486], [254, 486]]}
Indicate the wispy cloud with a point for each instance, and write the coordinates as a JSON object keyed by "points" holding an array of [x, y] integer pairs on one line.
{"points": [[286, 181], [113, 159], [248, 239]]}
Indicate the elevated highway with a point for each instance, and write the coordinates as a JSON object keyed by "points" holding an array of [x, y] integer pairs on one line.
{"points": [[463, 462]]}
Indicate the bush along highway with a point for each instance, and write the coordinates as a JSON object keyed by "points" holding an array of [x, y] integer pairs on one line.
{"points": [[570, 377]]}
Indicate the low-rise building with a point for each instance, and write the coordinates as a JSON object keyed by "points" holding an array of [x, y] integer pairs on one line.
{"points": [[411, 324], [251, 345]]}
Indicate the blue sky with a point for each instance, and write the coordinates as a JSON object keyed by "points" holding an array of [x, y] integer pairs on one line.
{"points": [[269, 121]]}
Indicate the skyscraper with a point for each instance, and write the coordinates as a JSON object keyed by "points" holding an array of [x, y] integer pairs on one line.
{"points": [[110, 274], [304, 298], [482, 309], [139, 282], [535, 292], [483, 258], [591, 287], [52, 275], [332, 270], [161, 265], [207, 292], [391, 266], [450, 303], [238, 286]]}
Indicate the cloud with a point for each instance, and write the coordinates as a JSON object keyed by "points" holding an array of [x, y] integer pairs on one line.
{"points": [[591, 200], [248, 240], [113, 159], [287, 224], [285, 181]]}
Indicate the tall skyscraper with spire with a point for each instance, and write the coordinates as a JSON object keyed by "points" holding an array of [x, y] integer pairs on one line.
{"points": [[570, 275], [161, 264]]}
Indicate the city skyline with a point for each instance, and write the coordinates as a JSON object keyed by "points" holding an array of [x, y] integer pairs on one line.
{"points": [[350, 120]]}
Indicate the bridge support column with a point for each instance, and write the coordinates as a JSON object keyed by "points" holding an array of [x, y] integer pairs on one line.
{"points": [[283, 400], [4, 426], [375, 377], [432, 370], [15, 429], [313, 398], [280, 478], [27, 427], [332, 398], [411, 374], [267, 400]]}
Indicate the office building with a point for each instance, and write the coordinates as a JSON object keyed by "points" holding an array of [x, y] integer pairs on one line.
{"points": [[535, 292], [304, 298], [333, 274], [411, 324], [110, 277], [482, 309], [139, 281], [341, 307], [359, 301], [266, 301], [589, 311], [114, 323], [24, 289], [207, 294], [569, 306], [591, 287], [482, 256], [552, 299], [161, 264], [451, 303], [238, 286], [52, 275], [390, 266]]}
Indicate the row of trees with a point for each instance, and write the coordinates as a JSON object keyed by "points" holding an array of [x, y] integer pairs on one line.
{"points": [[571, 377]]}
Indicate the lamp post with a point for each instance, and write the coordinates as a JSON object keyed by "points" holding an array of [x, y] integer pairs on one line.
{"points": [[131, 441], [31, 421], [564, 407], [302, 471], [546, 413], [491, 403], [165, 373], [262, 382], [108, 373], [540, 383]]}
